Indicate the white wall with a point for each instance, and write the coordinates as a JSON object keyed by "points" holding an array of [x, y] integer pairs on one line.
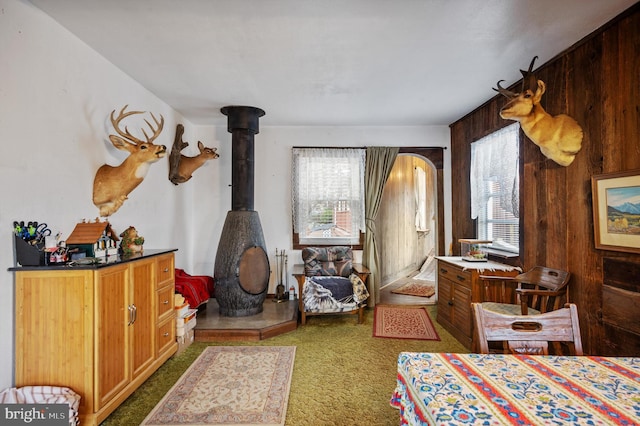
{"points": [[55, 98], [56, 95]]}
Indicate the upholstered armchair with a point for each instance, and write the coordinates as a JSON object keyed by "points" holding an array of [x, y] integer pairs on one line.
{"points": [[330, 283]]}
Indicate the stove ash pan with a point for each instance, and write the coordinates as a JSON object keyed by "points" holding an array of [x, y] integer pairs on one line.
{"points": [[242, 266]]}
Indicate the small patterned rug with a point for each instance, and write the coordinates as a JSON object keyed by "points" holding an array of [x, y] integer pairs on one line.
{"points": [[230, 385], [416, 288], [403, 322]]}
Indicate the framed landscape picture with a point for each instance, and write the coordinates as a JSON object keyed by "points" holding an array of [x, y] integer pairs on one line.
{"points": [[616, 211]]}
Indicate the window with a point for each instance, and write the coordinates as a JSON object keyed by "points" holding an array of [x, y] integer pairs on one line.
{"points": [[495, 195], [328, 196]]}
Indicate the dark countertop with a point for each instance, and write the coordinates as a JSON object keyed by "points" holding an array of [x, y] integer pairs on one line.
{"points": [[117, 260]]}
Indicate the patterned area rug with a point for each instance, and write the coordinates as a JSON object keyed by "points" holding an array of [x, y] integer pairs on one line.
{"points": [[403, 322], [230, 385], [416, 288]]}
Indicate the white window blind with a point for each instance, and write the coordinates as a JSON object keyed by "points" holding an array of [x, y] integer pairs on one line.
{"points": [[495, 196], [328, 195]]}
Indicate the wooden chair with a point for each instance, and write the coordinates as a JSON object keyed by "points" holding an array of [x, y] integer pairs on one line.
{"points": [[530, 335], [536, 291]]}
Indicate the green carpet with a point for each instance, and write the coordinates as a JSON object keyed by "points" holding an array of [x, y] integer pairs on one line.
{"points": [[342, 374]]}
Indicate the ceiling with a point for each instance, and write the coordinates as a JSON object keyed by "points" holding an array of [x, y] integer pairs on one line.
{"points": [[329, 62]]}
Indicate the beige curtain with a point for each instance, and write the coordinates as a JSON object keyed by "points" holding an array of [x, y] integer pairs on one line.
{"points": [[378, 167]]}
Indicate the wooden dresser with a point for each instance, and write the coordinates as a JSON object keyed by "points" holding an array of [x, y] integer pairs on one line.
{"points": [[100, 330], [458, 287]]}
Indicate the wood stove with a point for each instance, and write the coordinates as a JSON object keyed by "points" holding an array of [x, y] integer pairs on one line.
{"points": [[241, 270]]}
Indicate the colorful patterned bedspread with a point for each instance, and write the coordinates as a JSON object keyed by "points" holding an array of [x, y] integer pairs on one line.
{"points": [[474, 389]]}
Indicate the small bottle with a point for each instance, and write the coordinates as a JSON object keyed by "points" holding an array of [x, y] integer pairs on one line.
{"points": [[292, 293]]}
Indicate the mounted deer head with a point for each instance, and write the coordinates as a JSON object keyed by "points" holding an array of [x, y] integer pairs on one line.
{"points": [[559, 137], [182, 167], [112, 185]]}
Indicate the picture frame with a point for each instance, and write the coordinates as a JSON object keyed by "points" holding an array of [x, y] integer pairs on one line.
{"points": [[616, 211]]}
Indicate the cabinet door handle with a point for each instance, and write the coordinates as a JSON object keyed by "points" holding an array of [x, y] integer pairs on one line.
{"points": [[135, 313], [450, 302], [166, 269], [166, 334], [130, 309], [166, 302], [460, 277]]}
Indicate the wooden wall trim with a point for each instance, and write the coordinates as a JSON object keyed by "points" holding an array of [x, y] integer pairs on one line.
{"points": [[435, 155]]}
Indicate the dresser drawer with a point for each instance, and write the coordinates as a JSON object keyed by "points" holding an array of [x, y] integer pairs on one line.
{"points": [[165, 270], [165, 301], [454, 274], [166, 334]]}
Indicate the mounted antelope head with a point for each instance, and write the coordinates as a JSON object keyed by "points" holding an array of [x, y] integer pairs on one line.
{"points": [[559, 137], [112, 185], [182, 167]]}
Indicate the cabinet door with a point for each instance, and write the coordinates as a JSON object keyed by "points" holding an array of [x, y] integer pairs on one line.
{"points": [[142, 329], [462, 310], [54, 331], [111, 288], [445, 294]]}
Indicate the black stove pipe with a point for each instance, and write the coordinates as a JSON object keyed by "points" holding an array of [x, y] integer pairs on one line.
{"points": [[242, 123]]}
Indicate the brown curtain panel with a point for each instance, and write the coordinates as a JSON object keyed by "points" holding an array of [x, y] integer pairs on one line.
{"points": [[378, 167]]}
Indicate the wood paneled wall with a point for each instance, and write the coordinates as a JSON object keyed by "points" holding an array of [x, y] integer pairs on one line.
{"points": [[403, 249], [597, 82]]}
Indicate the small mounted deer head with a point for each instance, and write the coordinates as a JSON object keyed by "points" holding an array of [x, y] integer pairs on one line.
{"points": [[112, 185], [182, 167], [559, 137]]}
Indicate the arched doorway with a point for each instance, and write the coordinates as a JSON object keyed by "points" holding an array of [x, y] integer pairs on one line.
{"points": [[407, 225]]}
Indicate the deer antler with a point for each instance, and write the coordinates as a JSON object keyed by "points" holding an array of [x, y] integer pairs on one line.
{"points": [[127, 135], [529, 80], [156, 132], [508, 93]]}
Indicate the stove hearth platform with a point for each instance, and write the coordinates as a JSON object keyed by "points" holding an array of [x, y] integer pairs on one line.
{"points": [[275, 319]]}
